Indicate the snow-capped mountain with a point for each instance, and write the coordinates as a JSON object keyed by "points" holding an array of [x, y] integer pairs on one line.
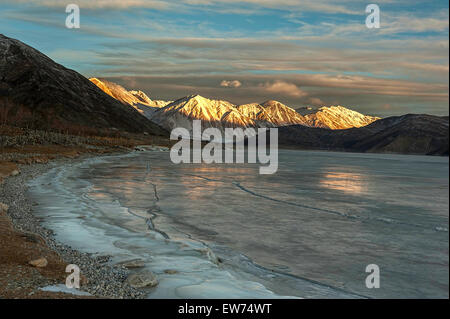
{"points": [[337, 118], [281, 115], [137, 99], [258, 113], [222, 114], [212, 113]]}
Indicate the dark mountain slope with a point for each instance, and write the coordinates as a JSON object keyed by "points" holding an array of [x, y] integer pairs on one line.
{"points": [[407, 134], [37, 92]]}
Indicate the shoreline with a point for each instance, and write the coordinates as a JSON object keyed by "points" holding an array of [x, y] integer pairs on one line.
{"points": [[98, 278], [204, 252], [242, 268], [103, 280]]}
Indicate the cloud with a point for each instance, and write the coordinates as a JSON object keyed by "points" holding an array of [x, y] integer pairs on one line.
{"points": [[236, 6], [402, 96], [102, 4], [281, 87], [325, 6], [316, 101], [307, 53], [379, 86], [437, 22], [230, 84]]}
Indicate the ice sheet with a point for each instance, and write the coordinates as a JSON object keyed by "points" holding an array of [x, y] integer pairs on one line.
{"points": [[307, 231]]}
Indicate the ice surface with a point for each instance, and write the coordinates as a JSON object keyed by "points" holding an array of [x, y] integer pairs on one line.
{"points": [[308, 231], [64, 289]]}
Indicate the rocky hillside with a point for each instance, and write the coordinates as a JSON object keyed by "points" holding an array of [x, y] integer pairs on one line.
{"points": [[407, 134], [37, 92]]}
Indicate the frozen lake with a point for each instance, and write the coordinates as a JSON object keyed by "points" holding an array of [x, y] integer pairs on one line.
{"points": [[307, 231]]}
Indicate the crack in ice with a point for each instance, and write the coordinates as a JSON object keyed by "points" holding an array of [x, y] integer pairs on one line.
{"points": [[321, 210]]}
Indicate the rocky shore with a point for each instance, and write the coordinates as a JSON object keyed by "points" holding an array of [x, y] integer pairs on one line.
{"points": [[98, 277]]}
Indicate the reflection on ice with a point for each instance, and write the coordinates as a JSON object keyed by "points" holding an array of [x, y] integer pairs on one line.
{"points": [[345, 182], [312, 228], [108, 228]]}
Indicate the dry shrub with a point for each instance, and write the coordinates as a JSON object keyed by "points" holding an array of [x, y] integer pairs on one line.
{"points": [[20, 126]]}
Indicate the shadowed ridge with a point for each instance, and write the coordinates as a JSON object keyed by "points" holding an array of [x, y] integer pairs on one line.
{"points": [[50, 96]]}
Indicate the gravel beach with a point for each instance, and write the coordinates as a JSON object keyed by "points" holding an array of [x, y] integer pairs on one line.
{"points": [[99, 278]]}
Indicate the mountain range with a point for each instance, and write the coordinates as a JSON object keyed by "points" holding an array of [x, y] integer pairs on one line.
{"points": [[222, 114], [36, 92]]}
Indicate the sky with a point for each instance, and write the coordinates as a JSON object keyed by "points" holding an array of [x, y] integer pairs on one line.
{"points": [[299, 52]]}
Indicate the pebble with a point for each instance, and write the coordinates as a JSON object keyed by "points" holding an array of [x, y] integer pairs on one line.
{"points": [[39, 263], [4, 207], [102, 278], [15, 173]]}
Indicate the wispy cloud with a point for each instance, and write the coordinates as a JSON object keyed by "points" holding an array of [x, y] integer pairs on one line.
{"points": [[230, 84], [101, 4], [309, 52], [284, 88]]}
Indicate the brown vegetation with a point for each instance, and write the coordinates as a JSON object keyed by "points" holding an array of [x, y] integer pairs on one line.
{"points": [[18, 279], [26, 146]]}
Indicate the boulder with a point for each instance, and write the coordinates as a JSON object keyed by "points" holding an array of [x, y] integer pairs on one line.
{"points": [[171, 271], [131, 264], [142, 279], [39, 263]]}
